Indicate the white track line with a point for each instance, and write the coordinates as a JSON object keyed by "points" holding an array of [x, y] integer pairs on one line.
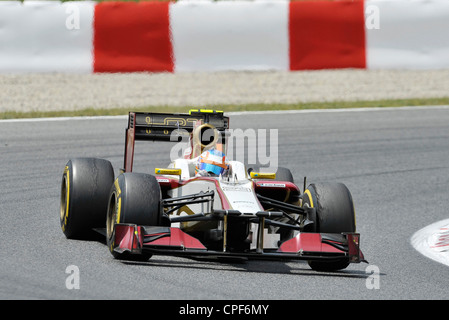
{"points": [[64, 119], [406, 108], [433, 241]]}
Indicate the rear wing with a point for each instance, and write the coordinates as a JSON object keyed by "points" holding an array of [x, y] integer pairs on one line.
{"points": [[167, 127], [160, 126]]}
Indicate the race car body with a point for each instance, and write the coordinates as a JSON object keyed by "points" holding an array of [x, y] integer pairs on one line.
{"points": [[181, 210]]}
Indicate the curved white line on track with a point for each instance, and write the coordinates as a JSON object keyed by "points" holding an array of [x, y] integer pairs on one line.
{"points": [[406, 108], [433, 241]]}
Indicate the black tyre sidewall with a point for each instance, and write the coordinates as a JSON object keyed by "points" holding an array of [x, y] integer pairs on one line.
{"points": [[140, 199], [135, 199], [284, 174], [87, 192], [334, 207], [334, 214]]}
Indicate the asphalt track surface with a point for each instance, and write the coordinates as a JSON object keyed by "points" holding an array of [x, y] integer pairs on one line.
{"points": [[394, 161]]}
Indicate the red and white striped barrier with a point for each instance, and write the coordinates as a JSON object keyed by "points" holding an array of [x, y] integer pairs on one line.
{"points": [[185, 36]]}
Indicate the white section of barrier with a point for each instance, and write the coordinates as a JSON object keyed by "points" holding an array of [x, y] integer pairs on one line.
{"points": [[433, 241], [407, 34], [46, 36], [49, 36], [228, 35]]}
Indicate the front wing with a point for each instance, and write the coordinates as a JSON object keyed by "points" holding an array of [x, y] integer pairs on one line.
{"points": [[137, 239]]}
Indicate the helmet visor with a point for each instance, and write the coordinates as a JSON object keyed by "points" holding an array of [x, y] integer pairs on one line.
{"points": [[211, 168]]}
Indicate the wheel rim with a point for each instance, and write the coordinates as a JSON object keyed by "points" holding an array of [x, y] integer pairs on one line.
{"points": [[63, 208], [111, 217]]}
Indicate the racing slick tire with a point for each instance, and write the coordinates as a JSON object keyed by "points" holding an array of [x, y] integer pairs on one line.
{"points": [[284, 174], [135, 198], [85, 187], [334, 214]]}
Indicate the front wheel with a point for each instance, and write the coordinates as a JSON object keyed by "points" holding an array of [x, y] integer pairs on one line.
{"points": [[134, 198], [334, 214]]}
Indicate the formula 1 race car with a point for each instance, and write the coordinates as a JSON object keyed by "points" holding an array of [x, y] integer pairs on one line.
{"points": [[205, 205]]}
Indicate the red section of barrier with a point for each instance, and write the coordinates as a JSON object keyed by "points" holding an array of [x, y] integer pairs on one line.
{"points": [[327, 35], [132, 37]]}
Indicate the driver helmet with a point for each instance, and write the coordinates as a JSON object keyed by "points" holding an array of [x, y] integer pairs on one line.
{"points": [[212, 161]]}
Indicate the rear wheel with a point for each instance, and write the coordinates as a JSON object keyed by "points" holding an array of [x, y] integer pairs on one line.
{"points": [[85, 187], [134, 198], [334, 214], [284, 174]]}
